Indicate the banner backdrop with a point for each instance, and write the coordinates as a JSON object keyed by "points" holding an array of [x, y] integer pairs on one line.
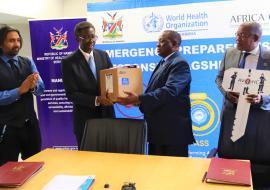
{"points": [[128, 31], [51, 40]]}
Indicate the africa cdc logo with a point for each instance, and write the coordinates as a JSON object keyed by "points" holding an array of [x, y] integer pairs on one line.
{"points": [[153, 23], [204, 113]]}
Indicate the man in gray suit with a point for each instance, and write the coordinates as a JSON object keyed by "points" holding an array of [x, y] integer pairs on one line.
{"points": [[254, 145]]}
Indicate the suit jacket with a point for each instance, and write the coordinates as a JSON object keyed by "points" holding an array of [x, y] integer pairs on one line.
{"points": [[231, 60], [82, 87], [254, 144], [166, 103]]}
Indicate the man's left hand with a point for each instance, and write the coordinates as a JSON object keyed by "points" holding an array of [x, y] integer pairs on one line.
{"points": [[254, 98], [33, 78], [130, 99]]}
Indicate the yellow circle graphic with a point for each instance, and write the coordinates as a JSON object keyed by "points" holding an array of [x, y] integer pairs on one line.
{"points": [[210, 126]]}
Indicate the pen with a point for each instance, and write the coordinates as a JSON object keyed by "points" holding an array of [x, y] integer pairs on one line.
{"points": [[204, 176]]}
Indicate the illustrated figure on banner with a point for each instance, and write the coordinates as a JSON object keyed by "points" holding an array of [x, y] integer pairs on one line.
{"points": [[233, 77], [262, 79]]}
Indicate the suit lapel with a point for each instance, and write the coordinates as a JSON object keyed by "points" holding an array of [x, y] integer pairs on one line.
{"points": [[97, 62], [83, 63], [264, 60], [235, 61], [155, 75]]}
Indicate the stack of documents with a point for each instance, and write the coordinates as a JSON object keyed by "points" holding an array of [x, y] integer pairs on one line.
{"points": [[70, 182]]}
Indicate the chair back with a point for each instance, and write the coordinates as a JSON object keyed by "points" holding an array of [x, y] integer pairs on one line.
{"points": [[117, 135]]}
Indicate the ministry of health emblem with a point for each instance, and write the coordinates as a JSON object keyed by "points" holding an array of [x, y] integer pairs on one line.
{"points": [[58, 40], [112, 27]]}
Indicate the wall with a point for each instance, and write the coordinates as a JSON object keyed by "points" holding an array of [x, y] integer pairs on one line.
{"points": [[33, 8]]}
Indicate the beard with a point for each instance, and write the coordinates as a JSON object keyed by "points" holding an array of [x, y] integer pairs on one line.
{"points": [[13, 51]]}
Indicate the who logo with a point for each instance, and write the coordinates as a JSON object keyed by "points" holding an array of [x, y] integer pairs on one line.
{"points": [[153, 23]]}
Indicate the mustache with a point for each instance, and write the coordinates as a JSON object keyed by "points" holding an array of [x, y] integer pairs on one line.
{"points": [[16, 48]]}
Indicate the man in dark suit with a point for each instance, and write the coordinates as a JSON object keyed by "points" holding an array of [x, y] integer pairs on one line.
{"points": [[80, 72], [254, 145], [166, 102]]}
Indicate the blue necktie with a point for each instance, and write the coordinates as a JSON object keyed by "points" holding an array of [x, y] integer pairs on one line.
{"points": [[243, 60], [92, 66]]}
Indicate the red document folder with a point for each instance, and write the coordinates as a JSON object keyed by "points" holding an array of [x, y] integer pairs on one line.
{"points": [[14, 174], [229, 171]]}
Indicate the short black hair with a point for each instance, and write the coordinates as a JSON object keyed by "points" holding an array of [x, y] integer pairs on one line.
{"points": [[4, 30], [82, 26], [174, 36]]}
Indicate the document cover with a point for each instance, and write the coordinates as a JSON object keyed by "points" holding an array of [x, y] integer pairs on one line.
{"points": [[70, 182], [229, 171], [14, 174]]}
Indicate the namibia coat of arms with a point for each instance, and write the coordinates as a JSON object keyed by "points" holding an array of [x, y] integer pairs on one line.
{"points": [[113, 27], [58, 40]]}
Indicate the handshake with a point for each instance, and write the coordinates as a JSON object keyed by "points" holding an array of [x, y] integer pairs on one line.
{"points": [[130, 99]]}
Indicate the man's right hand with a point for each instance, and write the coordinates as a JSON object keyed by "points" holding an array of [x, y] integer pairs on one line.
{"points": [[27, 84], [232, 96], [103, 100]]}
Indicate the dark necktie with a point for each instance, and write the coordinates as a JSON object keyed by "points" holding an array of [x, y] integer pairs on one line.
{"points": [[14, 68], [243, 60], [160, 65], [157, 71]]}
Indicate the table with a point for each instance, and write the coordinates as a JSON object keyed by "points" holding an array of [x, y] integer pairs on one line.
{"points": [[148, 172]]}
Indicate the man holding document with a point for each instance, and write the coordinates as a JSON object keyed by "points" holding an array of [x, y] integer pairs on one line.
{"points": [[166, 103], [253, 145]]}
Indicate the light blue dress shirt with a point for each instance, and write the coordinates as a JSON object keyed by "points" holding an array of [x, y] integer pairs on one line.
{"points": [[10, 96]]}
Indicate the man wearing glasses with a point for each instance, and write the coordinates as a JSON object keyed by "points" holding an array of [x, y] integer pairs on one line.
{"points": [[80, 72], [254, 145]]}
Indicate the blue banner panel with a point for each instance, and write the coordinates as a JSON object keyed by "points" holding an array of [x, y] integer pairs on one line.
{"points": [[128, 31]]}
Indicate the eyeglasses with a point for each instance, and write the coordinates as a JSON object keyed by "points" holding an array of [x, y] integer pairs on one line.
{"points": [[243, 35], [89, 38]]}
